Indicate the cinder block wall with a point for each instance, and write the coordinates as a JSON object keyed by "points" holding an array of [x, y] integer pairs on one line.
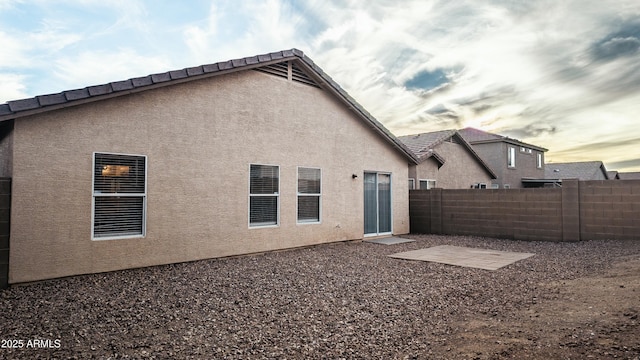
{"points": [[505, 213], [586, 210], [610, 209], [420, 211]]}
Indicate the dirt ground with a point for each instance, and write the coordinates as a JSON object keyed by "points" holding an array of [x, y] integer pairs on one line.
{"points": [[592, 317], [346, 300]]}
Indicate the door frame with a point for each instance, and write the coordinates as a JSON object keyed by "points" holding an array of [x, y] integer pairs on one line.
{"points": [[378, 233]]}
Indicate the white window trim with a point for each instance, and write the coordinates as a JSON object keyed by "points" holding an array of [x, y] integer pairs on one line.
{"points": [[413, 184], [539, 160], [93, 198], [277, 224], [428, 188], [298, 194], [511, 151]]}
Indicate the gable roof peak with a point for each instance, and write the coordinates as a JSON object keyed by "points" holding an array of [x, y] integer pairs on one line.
{"points": [[24, 107]]}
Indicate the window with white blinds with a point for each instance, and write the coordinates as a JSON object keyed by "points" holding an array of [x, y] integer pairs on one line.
{"points": [[264, 192], [309, 194], [119, 196]]}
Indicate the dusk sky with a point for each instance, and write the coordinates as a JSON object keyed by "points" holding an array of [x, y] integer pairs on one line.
{"points": [[560, 74]]}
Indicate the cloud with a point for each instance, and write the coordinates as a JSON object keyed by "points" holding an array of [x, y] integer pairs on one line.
{"points": [[623, 42], [12, 87], [93, 68], [236, 29], [626, 165], [534, 130]]}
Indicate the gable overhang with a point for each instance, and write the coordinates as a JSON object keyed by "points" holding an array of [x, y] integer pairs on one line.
{"points": [[44, 103], [473, 153]]}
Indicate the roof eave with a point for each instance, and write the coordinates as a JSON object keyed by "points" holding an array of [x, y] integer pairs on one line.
{"points": [[329, 84]]}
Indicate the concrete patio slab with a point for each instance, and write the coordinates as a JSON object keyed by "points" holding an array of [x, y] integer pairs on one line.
{"points": [[463, 256], [389, 241]]}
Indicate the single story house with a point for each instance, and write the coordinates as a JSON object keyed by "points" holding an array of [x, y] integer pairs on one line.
{"points": [[447, 161], [248, 155]]}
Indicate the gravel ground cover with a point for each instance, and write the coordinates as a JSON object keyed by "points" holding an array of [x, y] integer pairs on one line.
{"points": [[343, 300]]}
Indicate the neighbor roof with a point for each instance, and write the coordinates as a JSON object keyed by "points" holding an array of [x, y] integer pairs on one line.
{"points": [[423, 146], [475, 136], [586, 170], [24, 107], [629, 175]]}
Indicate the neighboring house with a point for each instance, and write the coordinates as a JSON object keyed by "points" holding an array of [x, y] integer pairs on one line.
{"points": [[613, 175], [585, 170], [248, 155], [515, 163], [629, 175], [446, 161]]}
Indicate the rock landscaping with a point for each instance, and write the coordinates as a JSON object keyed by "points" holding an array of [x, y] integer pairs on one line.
{"points": [[343, 300]]}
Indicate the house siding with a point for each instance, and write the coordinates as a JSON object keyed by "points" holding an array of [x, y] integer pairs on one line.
{"points": [[495, 155], [199, 138], [460, 170]]}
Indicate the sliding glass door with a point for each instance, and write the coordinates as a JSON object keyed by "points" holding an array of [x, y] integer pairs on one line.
{"points": [[377, 203]]}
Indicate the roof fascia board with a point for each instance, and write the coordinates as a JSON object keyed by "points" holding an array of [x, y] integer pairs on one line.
{"points": [[509, 141]]}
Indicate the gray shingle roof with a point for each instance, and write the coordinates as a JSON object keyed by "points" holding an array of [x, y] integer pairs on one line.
{"points": [[629, 175], [476, 136], [612, 174], [25, 107], [423, 146], [586, 170]]}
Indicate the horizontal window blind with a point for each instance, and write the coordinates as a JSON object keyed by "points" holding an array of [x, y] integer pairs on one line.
{"points": [[118, 216], [309, 194], [264, 184], [119, 174], [119, 192]]}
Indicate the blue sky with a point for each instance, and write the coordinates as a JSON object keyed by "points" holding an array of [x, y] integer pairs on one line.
{"points": [[564, 75]]}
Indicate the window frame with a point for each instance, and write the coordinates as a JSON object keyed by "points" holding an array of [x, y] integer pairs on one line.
{"points": [[249, 196], [95, 194], [412, 186], [299, 194], [511, 157], [427, 180], [539, 160]]}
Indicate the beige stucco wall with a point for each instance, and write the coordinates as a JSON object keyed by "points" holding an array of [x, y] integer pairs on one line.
{"points": [[200, 138], [459, 171]]}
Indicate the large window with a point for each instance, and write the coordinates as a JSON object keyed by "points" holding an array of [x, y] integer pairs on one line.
{"points": [[119, 196], [264, 185], [511, 157], [309, 195]]}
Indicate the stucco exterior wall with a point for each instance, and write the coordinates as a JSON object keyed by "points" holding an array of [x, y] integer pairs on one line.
{"points": [[200, 138], [495, 155], [459, 171]]}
